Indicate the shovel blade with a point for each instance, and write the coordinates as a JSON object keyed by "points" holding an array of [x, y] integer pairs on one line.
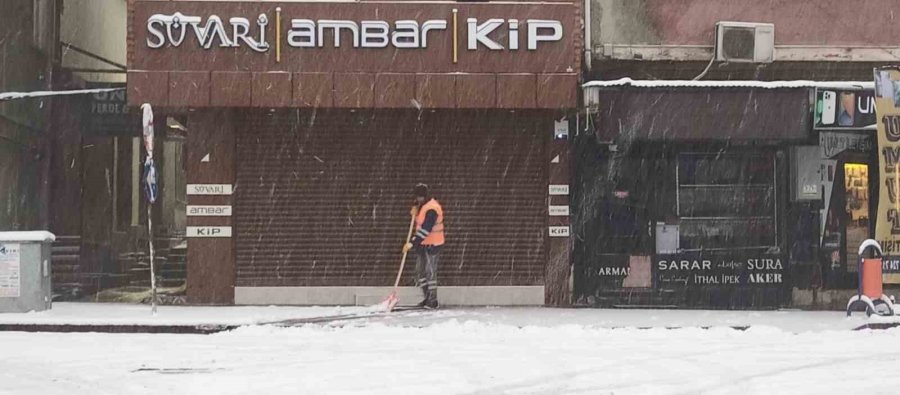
{"points": [[391, 301]]}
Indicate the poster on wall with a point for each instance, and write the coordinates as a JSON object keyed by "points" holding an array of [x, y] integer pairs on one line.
{"points": [[887, 224], [844, 109], [9, 270], [691, 269]]}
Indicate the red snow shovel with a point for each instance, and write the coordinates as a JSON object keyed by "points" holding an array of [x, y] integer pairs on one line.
{"points": [[392, 299]]}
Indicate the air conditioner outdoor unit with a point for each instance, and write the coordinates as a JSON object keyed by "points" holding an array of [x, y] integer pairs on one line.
{"points": [[745, 42]]}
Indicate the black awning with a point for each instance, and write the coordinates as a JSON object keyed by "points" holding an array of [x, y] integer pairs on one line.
{"points": [[704, 114]]}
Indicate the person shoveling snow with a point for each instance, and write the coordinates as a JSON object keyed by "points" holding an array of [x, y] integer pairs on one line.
{"points": [[427, 219]]}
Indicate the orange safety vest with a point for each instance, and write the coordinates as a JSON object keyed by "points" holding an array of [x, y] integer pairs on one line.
{"points": [[436, 237]]}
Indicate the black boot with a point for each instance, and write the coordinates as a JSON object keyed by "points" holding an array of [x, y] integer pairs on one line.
{"points": [[424, 301], [431, 301]]}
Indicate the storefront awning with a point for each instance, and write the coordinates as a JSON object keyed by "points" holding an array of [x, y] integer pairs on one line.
{"points": [[705, 110]]}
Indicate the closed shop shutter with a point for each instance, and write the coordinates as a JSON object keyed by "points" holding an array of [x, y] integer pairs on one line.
{"points": [[323, 198]]}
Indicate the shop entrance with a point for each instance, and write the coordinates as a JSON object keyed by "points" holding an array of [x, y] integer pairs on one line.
{"points": [[847, 222], [680, 225], [856, 191]]}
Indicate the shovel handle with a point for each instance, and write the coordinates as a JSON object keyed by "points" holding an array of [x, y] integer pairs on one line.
{"points": [[412, 225]]}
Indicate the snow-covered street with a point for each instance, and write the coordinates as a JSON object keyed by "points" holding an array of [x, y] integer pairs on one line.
{"points": [[465, 351]]}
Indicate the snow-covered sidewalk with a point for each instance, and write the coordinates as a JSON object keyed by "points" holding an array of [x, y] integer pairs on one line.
{"points": [[136, 314], [456, 351], [132, 314]]}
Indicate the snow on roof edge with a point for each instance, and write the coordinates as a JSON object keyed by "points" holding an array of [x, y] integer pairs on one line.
{"points": [[729, 84], [36, 235], [5, 96]]}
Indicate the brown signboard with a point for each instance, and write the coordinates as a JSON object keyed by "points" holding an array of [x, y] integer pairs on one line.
{"points": [[394, 49]]}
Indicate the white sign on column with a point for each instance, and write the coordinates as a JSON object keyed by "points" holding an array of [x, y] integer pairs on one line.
{"points": [[559, 211], [208, 211], [208, 231], [559, 231], [209, 189], [559, 190]]}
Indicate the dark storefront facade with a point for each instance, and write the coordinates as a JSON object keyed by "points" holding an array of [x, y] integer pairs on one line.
{"points": [[723, 195], [308, 124]]}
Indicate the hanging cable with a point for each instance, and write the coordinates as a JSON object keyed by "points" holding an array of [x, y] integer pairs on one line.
{"points": [[713, 59], [708, 65]]}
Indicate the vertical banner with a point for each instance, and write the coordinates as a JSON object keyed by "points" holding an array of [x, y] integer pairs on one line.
{"points": [[887, 224]]}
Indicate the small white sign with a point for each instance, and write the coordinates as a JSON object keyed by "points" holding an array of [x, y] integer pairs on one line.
{"points": [[10, 280], [209, 211], [559, 231], [559, 190], [208, 231], [561, 128], [559, 211], [209, 189], [555, 159]]}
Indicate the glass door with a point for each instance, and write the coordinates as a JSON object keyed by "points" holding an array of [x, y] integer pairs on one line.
{"points": [[856, 207]]}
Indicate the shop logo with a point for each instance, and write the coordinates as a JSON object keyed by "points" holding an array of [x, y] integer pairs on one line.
{"points": [[307, 33], [177, 25]]}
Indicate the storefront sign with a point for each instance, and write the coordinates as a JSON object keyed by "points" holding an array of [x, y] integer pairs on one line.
{"points": [[615, 271], [209, 189], [834, 143], [559, 190], [887, 224], [209, 211], [208, 231], [10, 280], [109, 112], [719, 269], [559, 231], [559, 211], [237, 31], [844, 109], [353, 37]]}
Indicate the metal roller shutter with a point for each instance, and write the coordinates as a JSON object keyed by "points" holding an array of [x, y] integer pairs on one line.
{"points": [[322, 198]]}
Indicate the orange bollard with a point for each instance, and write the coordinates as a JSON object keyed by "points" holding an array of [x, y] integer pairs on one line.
{"points": [[871, 278]]}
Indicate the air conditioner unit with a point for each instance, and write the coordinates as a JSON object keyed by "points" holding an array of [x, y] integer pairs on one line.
{"points": [[745, 42]]}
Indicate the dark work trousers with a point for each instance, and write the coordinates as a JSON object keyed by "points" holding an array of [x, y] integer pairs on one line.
{"points": [[427, 258]]}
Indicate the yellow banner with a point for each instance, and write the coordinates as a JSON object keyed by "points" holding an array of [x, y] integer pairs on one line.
{"points": [[887, 224]]}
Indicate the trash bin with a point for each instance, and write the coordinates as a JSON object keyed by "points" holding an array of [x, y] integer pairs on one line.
{"points": [[869, 292], [25, 271], [870, 272]]}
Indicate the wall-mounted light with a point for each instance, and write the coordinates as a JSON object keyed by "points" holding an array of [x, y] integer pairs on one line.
{"points": [[561, 129]]}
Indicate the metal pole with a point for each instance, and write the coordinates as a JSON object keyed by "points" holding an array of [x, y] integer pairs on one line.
{"points": [[94, 56], [152, 266]]}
